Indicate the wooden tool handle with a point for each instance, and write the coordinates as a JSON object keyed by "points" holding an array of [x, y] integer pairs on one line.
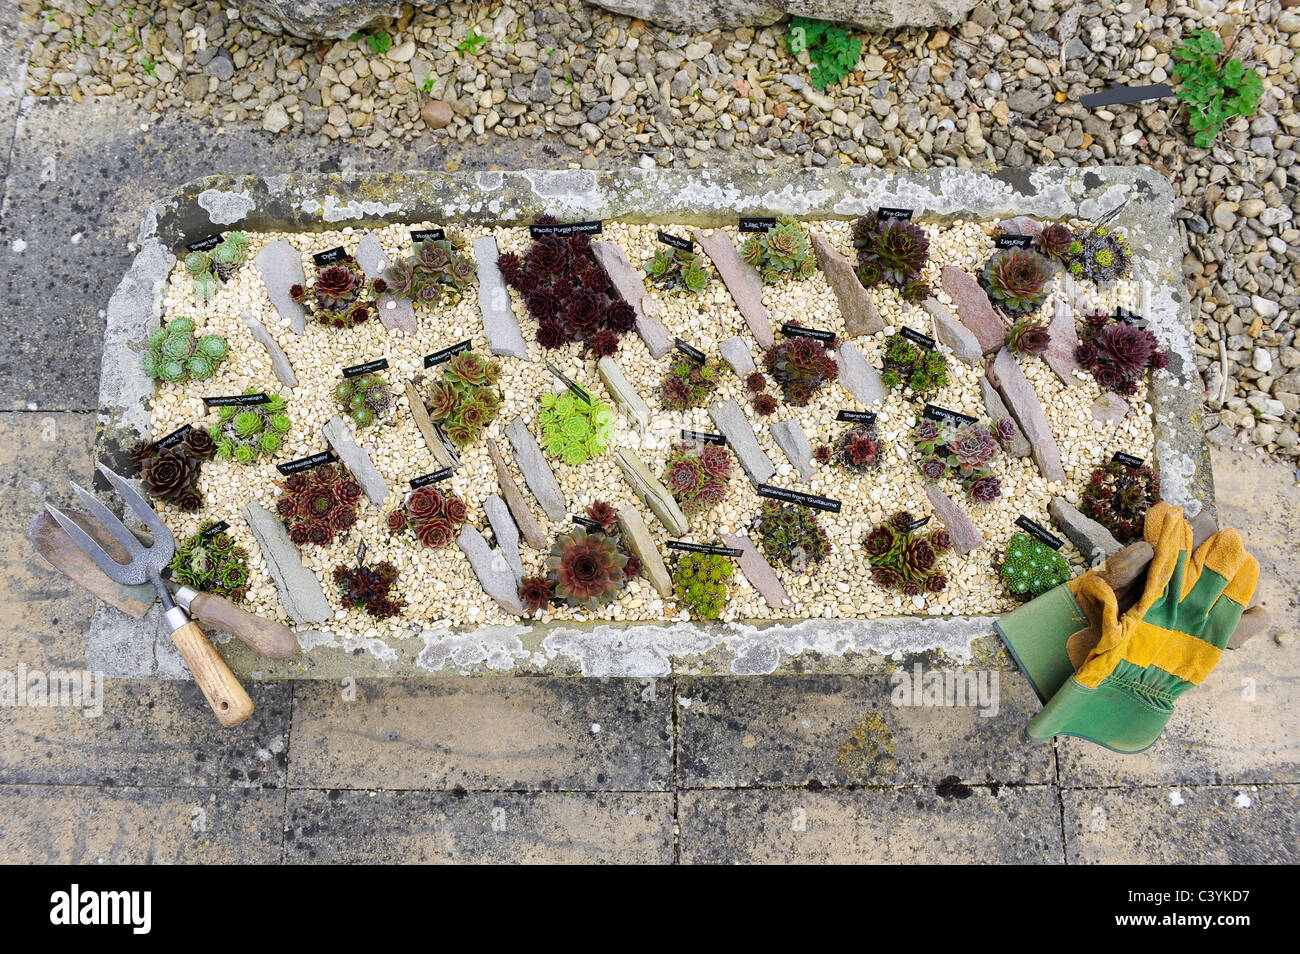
{"points": [[272, 639], [220, 687]]}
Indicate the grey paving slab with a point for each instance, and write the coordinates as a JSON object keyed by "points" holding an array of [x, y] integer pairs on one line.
{"points": [[1192, 825], [479, 827], [846, 730], [42, 824], [549, 734], [1016, 825]]}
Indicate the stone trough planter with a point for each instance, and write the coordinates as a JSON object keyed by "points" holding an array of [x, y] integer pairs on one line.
{"points": [[123, 647]]}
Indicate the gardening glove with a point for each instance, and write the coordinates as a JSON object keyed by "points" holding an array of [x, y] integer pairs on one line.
{"points": [[1123, 694]]}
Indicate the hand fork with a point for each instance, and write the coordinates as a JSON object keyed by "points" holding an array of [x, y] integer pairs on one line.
{"points": [[220, 687]]}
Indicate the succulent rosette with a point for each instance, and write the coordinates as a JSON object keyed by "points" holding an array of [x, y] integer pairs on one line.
{"points": [[319, 505], [586, 569], [1016, 279], [432, 516], [573, 430], [961, 451], [892, 252], [697, 476], [1117, 353], [904, 558], [801, 366]]}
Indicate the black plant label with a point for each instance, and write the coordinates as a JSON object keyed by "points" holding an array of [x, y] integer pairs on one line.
{"points": [[887, 213], [856, 417], [944, 416], [1014, 241], [238, 400], [701, 548], [446, 354], [428, 235], [358, 369], [305, 463], [695, 354], [329, 256], [916, 525], [583, 395], [206, 244], [700, 437], [172, 439], [796, 497], [918, 339], [588, 523], [570, 228], [426, 479], [1118, 95], [673, 241], [217, 528], [1128, 460], [757, 223], [791, 330], [1039, 532]]}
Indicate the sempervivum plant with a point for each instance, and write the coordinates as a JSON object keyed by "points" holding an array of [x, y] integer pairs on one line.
{"points": [[573, 430], [206, 268], [780, 253], [791, 535], [363, 398], [1118, 497], [568, 293], [437, 271], [678, 270], [211, 562], [961, 451], [338, 296], [1054, 240], [244, 432], [173, 354], [318, 506], [858, 449], [1016, 279], [892, 252], [586, 569], [465, 401], [172, 474], [1030, 568], [369, 588], [697, 477], [700, 583], [801, 366], [433, 517], [905, 559], [910, 366], [1028, 337], [688, 384], [1118, 353], [1101, 255]]}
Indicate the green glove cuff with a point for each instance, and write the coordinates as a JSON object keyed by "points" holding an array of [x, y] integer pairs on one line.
{"points": [[1110, 715], [1035, 635]]}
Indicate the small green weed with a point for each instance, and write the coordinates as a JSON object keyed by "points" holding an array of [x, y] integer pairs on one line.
{"points": [[1214, 91], [832, 51]]}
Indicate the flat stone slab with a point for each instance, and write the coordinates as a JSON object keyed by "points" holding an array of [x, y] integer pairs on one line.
{"points": [[630, 286], [280, 265], [741, 280], [735, 351], [1064, 341], [637, 536], [507, 534], [537, 472], [499, 322], [279, 360], [734, 426], [420, 414], [861, 317], [757, 570], [974, 308], [524, 519], [301, 593], [858, 375], [650, 489], [492, 569], [952, 333], [965, 535], [1110, 408], [1022, 401], [1093, 540], [790, 438], [356, 459], [397, 314], [624, 395], [997, 411]]}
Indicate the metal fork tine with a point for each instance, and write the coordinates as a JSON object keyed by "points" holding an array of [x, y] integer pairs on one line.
{"points": [[118, 572], [163, 541], [108, 520]]}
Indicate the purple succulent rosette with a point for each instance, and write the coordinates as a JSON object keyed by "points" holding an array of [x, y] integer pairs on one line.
{"points": [[961, 451]]}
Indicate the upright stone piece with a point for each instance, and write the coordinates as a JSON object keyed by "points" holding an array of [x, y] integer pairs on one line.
{"points": [[741, 280], [974, 308], [858, 375], [356, 459], [1022, 401], [735, 351], [420, 414], [997, 411], [301, 594], [731, 421], [503, 334], [1064, 341], [965, 536], [537, 472], [524, 519], [397, 314], [507, 534], [637, 536], [280, 265], [624, 395], [493, 572], [1093, 540], [861, 317], [279, 360], [757, 570], [650, 489], [952, 333], [791, 439], [628, 283]]}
